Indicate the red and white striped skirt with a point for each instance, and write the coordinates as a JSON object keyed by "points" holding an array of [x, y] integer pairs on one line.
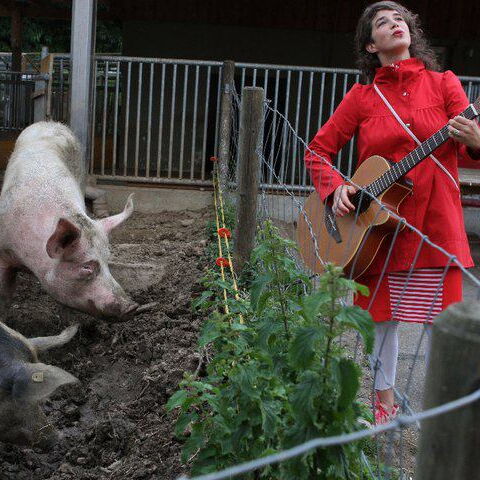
{"points": [[417, 297]]}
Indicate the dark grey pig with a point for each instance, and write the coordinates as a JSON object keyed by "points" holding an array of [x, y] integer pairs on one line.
{"points": [[25, 383], [45, 229]]}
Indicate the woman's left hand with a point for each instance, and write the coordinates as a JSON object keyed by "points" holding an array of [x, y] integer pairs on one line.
{"points": [[465, 131]]}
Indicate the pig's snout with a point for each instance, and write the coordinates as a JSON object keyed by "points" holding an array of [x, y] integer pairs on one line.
{"points": [[130, 310], [121, 310]]}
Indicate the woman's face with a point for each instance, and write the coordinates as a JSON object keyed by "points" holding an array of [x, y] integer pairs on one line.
{"points": [[390, 35]]}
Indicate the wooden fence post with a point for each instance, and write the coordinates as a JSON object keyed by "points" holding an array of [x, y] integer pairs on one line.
{"points": [[450, 443], [248, 173], [82, 81], [16, 36], [225, 122], [42, 96]]}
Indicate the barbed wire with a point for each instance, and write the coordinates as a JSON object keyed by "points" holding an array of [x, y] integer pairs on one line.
{"points": [[281, 134], [400, 422], [405, 401], [424, 237]]}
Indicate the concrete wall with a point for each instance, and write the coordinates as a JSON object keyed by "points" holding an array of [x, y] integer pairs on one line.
{"points": [[278, 46], [242, 44], [280, 207], [153, 199]]}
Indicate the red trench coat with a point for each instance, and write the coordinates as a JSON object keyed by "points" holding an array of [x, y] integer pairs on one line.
{"points": [[425, 100]]}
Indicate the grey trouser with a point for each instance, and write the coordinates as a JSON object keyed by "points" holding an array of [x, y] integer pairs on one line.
{"points": [[385, 353]]}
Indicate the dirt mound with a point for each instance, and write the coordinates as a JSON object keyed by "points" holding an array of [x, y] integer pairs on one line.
{"points": [[114, 423]]}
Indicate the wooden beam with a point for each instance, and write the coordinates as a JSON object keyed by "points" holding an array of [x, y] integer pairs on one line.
{"points": [[82, 51], [16, 37]]}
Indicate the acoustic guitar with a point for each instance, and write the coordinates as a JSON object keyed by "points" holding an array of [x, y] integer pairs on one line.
{"points": [[353, 241]]}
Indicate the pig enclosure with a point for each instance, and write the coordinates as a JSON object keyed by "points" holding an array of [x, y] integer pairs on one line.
{"points": [[113, 422]]}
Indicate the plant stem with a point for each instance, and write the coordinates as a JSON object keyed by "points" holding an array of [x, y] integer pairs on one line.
{"points": [[280, 294], [331, 320], [329, 342]]}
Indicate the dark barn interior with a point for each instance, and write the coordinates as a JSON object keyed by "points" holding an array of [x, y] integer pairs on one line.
{"points": [[304, 32]]}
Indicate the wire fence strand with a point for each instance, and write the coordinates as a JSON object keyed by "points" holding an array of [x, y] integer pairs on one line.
{"points": [[284, 186]]}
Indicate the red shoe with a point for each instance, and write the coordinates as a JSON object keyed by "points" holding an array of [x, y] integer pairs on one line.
{"points": [[382, 415]]}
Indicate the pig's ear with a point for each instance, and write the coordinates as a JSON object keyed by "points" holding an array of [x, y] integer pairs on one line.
{"points": [[45, 343], [63, 239], [109, 223], [37, 381]]}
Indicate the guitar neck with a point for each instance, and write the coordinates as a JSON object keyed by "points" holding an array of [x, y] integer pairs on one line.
{"points": [[399, 169]]}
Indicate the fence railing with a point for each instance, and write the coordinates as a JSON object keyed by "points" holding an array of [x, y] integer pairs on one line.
{"points": [[154, 120], [157, 120], [17, 93]]}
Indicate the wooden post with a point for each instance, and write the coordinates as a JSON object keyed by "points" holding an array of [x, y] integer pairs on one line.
{"points": [[225, 122], [16, 37], [84, 16], [46, 67], [248, 174], [40, 96], [450, 443]]}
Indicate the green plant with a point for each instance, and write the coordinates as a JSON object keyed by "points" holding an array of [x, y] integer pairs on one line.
{"points": [[279, 377], [55, 34]]}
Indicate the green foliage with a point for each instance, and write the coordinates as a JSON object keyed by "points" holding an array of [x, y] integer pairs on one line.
{"points": [[55, 34], [278, 379]]}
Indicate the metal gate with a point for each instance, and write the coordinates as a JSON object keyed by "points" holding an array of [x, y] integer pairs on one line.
{"points": [[22, 99], [157, 120]]}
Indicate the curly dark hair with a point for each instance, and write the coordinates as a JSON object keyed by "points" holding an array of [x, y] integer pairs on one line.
{"points": [[419, 47]]}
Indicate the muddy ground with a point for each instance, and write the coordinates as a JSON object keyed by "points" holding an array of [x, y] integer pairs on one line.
{"points": [[113, 422]]}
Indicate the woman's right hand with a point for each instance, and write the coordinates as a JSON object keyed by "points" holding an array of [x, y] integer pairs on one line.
{"points": [[341, 200]]}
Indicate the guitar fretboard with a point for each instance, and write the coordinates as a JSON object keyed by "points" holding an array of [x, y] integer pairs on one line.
{"points": [[398, 170]]}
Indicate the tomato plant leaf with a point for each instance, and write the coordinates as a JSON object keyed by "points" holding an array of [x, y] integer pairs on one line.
{"points": [[183, 421], [210, 332], [308, 388], [310, 305], [269, 417]]}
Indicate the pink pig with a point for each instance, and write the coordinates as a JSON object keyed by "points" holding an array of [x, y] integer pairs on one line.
{"points": [[45, 229]]}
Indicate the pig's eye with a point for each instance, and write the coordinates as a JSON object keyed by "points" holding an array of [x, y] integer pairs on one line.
{"points": [[89, 269]]}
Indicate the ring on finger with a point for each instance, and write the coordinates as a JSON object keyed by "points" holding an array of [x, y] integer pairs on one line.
{"points": [[455, 132]]}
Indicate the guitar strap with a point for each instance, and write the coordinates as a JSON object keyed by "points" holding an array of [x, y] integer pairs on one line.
{"points": [[401, 122]]}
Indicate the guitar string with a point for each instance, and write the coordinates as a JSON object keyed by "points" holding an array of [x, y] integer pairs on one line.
{"points": [[402, 167]]}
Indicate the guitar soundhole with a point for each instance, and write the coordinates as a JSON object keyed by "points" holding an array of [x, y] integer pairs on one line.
{"points": [[361, 201]]}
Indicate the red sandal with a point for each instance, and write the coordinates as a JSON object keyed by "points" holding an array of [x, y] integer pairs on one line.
{"points": [[382, 415]]}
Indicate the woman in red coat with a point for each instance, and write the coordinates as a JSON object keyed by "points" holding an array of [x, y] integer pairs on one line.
{"points": [[394, 56]]}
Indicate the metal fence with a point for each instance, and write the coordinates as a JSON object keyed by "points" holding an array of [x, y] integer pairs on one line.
{"points": [[388, 457], [30, 62], [154, 120], [17, 92], [307, 97], [157, 120], [60, 89]]}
